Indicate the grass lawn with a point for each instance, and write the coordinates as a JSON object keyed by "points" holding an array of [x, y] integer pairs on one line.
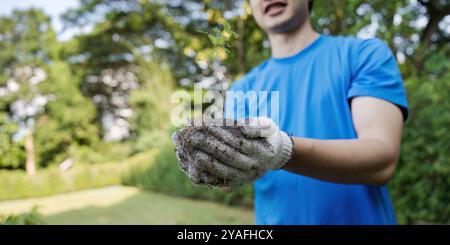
{"points": [[127, 205]]}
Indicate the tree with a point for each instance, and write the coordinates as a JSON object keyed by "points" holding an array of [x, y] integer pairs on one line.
{"points": [[69, 120], [399, 23], [27, 104], [116, 54], [39, 92], [25, 50]]}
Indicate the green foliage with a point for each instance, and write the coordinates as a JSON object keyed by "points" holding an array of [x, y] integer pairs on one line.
{"points": [[396, 21], [151, 105], [102, 153], [27, 38], [16, 184], [150, 140], [421, 186], [249, 50], [29, 45], [30, 218], [163, 174], [12, 153], [69, 119], [220, 37]]}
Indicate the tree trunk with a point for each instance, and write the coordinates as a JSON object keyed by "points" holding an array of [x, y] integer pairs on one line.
{"points": [[240, 47], [30, 165]]}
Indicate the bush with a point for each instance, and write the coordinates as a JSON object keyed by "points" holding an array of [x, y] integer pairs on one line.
{"points": [[31, 218], [17, 184], [105, 152], [421, 186], [163, 174], [150, 140]]}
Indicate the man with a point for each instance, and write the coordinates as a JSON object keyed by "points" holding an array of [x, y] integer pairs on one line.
{"points": [[343, 102]]}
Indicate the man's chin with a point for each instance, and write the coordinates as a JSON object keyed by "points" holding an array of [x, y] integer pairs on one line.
{"points": [[283, 24], [281, 27]]}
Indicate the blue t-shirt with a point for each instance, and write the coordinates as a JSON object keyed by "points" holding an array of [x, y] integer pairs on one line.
{"points": [[315, 87]]}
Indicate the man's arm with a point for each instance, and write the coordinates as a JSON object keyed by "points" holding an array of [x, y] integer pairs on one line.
{"points": [[369, 159]]}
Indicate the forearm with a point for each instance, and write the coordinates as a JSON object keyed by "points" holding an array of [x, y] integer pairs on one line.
{"points": [[359, 161]]}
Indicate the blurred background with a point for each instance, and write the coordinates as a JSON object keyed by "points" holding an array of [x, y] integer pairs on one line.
{"points": [[85, 88]]}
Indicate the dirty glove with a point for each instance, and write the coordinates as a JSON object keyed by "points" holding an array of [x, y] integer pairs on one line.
{"points": [[237, 154], [185, 155]]}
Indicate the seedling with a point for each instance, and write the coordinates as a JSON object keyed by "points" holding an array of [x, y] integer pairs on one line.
{"points": [[220, 36]]}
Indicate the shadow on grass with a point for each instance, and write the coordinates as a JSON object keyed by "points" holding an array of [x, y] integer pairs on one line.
{"points": [[153, 208]]}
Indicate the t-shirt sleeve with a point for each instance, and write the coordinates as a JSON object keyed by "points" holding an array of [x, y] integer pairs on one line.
{"points": [[376, 74]]}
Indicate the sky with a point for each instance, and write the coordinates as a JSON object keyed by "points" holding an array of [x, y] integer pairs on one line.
{"points": [[54, 8]]}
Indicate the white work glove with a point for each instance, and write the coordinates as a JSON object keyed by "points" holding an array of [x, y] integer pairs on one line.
{"points": [[217, 155]]}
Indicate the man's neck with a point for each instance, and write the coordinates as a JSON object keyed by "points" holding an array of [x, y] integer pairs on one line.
{"points": [[289, 43]]}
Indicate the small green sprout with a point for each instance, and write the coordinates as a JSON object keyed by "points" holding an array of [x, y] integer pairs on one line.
{"points": [[220, 37]]}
